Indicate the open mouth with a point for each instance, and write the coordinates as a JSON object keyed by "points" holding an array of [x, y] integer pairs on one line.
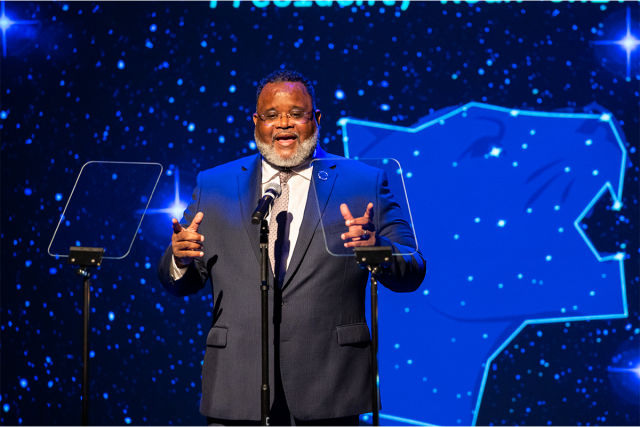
{"points": [[286, 139]]}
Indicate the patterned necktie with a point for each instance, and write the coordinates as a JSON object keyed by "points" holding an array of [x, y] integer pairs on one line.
{"points": [[278, 225]]}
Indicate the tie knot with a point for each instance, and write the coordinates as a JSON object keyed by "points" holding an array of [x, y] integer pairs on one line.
{"points": [[285, 175]]}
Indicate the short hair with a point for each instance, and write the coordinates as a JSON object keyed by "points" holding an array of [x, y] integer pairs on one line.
{"points": [[279, 76]]}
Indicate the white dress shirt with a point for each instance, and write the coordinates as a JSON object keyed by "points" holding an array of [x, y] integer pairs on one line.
{"points": [[298, 192]]}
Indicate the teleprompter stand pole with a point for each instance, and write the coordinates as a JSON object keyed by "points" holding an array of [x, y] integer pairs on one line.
{"points": [[264, 291], [85, 258], [374, 258]]}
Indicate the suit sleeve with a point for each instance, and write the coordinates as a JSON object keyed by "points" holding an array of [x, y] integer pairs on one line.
{"points": [[196, 275], [407, 271]]}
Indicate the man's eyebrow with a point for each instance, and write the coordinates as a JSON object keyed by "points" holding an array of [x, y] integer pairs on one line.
{"points": [[294, 107], [273, 109]]}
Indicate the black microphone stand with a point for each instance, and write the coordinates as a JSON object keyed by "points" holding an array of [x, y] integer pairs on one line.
{"points": [[264, 288], [374, 258], [264, 204], [85, 258]]}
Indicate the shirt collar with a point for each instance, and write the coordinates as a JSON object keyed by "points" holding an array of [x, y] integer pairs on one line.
{"points": [[305, 170]]}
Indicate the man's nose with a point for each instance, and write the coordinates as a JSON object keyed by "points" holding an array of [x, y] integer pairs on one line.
{"points": [[283, 121]]}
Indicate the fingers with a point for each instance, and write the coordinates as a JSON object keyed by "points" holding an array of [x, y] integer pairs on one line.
{"points": [[196, 222], [185, 251], [355, 234], [357, 244], [186, 242], [346, 213], [188, 254], [361, 240], [369, 211], [190, 236], [185, 246], [363, 220], [186, 257], [189, 233], [361, 230]]}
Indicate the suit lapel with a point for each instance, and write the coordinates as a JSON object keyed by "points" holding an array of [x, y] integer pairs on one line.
{"points": [[319, 193], [249, 180]]}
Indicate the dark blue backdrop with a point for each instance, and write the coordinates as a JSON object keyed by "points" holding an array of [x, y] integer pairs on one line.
{"points": [[512, 121]]}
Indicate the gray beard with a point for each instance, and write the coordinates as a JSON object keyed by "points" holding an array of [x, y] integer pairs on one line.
{"points": [[304, 151]]}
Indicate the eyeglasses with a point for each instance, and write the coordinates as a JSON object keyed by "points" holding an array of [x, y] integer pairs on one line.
{"points": [[295, 118]]}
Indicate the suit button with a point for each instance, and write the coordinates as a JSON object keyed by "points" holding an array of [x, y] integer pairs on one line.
{"points": [[282, 302]]}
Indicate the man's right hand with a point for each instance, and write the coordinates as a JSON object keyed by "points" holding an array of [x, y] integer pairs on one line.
{"points": [[186, 243]]}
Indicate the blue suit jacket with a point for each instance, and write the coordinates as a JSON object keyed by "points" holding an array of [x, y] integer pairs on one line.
{"points": [[319, 311]]}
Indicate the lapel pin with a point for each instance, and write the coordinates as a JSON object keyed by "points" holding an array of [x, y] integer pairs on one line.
{"points": [[323, 175]]}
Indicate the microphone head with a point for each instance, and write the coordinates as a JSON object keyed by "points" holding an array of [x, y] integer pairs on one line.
{"points": [[274, 189]]}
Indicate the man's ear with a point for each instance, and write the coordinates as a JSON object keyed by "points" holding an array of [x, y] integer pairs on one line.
{"points": [[318, 114], [255, 119]]}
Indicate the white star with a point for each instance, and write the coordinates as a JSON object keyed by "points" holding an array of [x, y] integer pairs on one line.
{"points": [[5, 23], [628, 43], [176, 209], [495, 151]]}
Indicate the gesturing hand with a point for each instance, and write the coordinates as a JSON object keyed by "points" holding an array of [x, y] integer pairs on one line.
{"points": [[361, 232], [186, 243]]}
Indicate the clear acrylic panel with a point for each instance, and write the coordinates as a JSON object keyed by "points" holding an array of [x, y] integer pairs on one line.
{"points": [[395, 223], [105, 208]]}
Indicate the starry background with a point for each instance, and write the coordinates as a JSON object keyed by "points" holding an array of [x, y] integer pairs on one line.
{"points": [[174, 83]]}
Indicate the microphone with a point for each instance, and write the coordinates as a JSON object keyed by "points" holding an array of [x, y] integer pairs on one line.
{"points": [[271, 193]]}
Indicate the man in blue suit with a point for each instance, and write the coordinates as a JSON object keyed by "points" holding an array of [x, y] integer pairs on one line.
{"points": [[321, 344]]}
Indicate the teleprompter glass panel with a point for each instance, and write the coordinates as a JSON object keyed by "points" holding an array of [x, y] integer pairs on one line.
{"points": [[105, 208], [356, 183]]}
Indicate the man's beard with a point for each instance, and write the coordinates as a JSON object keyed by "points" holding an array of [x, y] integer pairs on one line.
{"points": [[304, 151]]}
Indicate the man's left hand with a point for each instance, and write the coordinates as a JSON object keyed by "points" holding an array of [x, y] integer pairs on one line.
{"points": [[362, 231]]}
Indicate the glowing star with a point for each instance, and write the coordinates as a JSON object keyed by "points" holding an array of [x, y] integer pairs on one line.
{"points": [[5, 23], [495, 152], [635, 370], [628, 43], [177, 208]]}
